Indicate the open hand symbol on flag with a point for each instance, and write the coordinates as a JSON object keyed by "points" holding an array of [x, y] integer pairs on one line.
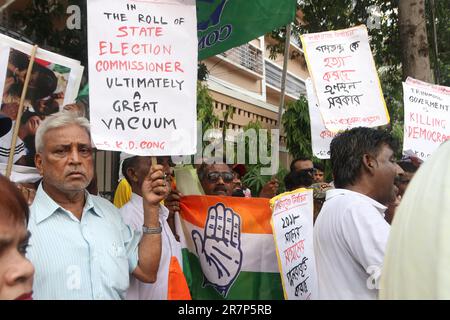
{"points": [[219, 249], [209, 12]]}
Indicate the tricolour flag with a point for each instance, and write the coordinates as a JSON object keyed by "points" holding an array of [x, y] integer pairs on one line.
{"points": [[224, 24], [228, 248]]}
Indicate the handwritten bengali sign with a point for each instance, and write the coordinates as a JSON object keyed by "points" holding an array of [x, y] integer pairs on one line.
{"points": [[142, 76], [292, 222], [345, 79], [320, 136], [427, 117]]}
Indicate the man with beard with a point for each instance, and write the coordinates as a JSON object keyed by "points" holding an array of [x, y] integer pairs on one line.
{"points": [[350, 233], [301, 163], [299, 179]]}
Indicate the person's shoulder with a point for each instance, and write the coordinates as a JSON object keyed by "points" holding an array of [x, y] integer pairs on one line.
{"points": [[103, 204]]}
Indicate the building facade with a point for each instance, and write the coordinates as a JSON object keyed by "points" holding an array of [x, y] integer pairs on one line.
{"points": [[247, 79]]}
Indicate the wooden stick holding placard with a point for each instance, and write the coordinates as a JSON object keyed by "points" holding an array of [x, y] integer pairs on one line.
{"points": [[19, 113], [154, 161]]}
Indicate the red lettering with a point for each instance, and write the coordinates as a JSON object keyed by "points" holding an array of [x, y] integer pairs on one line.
{"points": [[177, 67], [124, 30], [102, 45]]}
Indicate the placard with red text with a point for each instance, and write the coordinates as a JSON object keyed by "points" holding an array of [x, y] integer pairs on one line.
{"points": [[320, 136], [345, 79], [292, 223], [142, 76], [427, 117]]}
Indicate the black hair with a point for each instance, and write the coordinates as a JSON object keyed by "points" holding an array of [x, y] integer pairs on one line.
{"points": [[42, 86], [319, 166], [51, 106], [301, 158], [298, 179], [201, 171], [29, 142], [348, 149], [129, 163], [26, 116], [407, 166]]}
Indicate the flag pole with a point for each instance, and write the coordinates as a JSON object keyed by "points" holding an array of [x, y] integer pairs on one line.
{"points": [[19, 113], [283, 77]]}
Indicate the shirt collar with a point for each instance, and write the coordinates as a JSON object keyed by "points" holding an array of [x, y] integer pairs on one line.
{"points": [[137, 202], [46, 206], [336, 192]]}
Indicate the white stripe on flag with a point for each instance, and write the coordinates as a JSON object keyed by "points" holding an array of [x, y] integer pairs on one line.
{"points": [[254, 246]]}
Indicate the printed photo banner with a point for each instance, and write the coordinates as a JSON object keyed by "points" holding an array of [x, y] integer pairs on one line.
{"points": [[427, 117], [320, 136], [54, 82], [345, 79], [228, 248], [143, 73], [292, 222]]}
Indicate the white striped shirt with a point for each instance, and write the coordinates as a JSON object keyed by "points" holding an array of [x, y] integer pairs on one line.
{"points": [[5, 147], [87, 259]]}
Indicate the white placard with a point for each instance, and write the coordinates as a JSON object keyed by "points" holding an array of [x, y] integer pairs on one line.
{"points": [[427, 117], [142, 75], [292, 222], [320, 136], [345, 79]]}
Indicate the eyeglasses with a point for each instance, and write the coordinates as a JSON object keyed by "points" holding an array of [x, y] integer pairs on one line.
{"points": [[214, 176]]}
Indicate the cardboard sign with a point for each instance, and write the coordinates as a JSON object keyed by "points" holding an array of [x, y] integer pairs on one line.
{"points": [[142, 75], [292, 223], [345, 79], [427, 117], [320, 136]]}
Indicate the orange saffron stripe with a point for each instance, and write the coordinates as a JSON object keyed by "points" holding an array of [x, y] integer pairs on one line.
{"points": [[255, 213]]}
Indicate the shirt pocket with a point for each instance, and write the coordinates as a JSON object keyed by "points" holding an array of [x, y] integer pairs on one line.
{"points": [[115, 269]]}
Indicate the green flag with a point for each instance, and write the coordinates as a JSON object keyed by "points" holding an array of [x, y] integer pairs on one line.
{"points": [[224, 24], [84, 93]]}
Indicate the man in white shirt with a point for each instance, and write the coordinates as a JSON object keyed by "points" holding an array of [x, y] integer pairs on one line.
{"points": [[133, 169], [350, 233]]}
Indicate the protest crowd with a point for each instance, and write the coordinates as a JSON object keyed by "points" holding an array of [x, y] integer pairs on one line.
{"points": [[371, 223]]}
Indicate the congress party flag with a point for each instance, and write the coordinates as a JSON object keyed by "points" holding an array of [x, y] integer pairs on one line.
{"points": [[228, 248], [224, 24]]}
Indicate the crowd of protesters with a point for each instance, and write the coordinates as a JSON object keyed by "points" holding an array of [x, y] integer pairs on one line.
{"points": [[126, 251]]}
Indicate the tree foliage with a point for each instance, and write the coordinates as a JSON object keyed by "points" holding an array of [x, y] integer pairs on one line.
{"points": [[44, 22], [325, 15]]}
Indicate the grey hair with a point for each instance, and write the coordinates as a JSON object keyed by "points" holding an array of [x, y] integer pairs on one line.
{"points": [[59, 120]]}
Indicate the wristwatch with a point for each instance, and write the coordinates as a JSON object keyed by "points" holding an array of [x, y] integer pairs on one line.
{"points": [[151, 230]]}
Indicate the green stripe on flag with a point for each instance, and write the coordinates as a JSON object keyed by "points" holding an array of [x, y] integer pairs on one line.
{"points": [[248, 285], [224, 24]]}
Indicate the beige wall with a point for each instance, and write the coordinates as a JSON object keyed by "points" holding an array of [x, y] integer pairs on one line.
{"points": [[232, 74]]}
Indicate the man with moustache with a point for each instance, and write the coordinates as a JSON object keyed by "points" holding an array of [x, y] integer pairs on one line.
{"points": [[216, 179], [350, 233], [81, 248]]}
